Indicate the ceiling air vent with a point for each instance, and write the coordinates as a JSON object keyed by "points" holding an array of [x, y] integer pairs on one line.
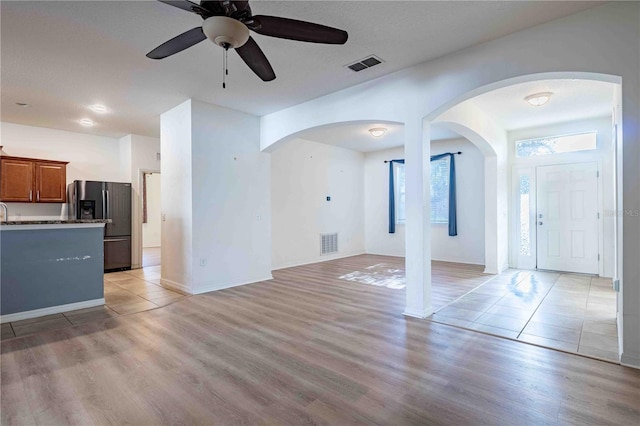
{"points": [[363, 64]]}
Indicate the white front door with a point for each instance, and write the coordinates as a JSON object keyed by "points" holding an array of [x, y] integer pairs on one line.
{"points": [[567, 217]]}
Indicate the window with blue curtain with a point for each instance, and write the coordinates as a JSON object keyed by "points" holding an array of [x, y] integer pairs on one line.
{"points": [[443, 192]]}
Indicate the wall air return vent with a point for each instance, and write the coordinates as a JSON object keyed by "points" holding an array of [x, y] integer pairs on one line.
{"points": [[363, 64], [328, 243]]}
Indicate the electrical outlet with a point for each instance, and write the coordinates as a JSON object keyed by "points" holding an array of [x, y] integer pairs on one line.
{"points": [[258, 217], [203, 262]]}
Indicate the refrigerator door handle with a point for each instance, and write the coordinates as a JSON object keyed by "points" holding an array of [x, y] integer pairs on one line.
{"points": [[108, 212], [104, 205], [113, 240]]}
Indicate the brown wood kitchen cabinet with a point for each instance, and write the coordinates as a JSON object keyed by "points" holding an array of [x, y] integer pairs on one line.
{"points": [[31, 180]]}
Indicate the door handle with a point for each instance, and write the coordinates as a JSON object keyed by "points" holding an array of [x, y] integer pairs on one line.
{"points": [[115, 240], [38, 195], [539, 223], [30, 195]]}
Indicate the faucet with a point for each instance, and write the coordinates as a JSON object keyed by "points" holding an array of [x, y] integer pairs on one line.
{"points": [[6, 212]]}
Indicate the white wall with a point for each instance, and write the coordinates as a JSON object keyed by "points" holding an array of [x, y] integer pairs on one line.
{"points": [[175, 143], [468, 245], [475, 125], [90, 158], [231, 199], [603, 155], [303, 174], [376, 205], [151, 229], [215, 197]]}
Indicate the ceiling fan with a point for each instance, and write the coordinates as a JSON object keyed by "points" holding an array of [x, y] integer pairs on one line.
{"points": [[227, 24]]}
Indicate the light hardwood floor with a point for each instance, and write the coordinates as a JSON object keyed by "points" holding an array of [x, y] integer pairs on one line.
{"points": [[304, 348], [151, 256]]}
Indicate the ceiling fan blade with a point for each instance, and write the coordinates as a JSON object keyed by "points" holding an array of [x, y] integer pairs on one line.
{"points": [[253, 56], [188, 6], [178, 44], [293, 29]]}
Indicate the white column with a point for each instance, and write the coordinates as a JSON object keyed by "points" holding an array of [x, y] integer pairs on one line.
{"points": [[418, 212]]}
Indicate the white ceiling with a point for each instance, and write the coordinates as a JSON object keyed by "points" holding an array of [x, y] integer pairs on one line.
{"points": [[571, 100], [357, 136], [62, 56]]}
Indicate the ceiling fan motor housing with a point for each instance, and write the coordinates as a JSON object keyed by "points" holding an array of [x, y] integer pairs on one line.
{"points": [[225, 31]]}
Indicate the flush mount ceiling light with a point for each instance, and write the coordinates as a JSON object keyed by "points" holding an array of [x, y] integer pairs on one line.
{"points": [[538, 99], [87, 122], [23, 105], [100, 109], [378, 132]]}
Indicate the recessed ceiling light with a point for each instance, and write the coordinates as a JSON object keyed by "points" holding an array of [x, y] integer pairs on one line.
{"points": [[23, 105], [377, 132], [87, 122], [100, 109], [538, 99]]}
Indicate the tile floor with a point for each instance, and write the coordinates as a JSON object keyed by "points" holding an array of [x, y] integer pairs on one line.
{"points": [[125, 292], [570, 312]]}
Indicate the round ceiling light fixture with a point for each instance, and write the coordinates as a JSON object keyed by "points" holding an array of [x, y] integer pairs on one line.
{"points": [[100, 109], [87, 122], [225, 32], [538, 99], [378, 132], [23, 104]]}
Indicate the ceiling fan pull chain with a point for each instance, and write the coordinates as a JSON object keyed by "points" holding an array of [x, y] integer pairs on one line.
{"points": [[225, 69]]}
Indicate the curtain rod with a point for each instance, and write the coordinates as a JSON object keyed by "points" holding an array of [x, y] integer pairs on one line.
{"points": [[454, 153]]}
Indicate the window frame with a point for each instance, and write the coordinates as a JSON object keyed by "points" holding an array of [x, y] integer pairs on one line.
{"points": [[446, 176], [565, 135], [400, 194]]}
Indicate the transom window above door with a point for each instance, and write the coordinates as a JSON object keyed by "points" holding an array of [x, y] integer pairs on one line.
{"points": [[556, 144]]}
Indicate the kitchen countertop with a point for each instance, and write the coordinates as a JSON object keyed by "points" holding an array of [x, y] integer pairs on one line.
{"points": [[54, 222], [61, 224]]}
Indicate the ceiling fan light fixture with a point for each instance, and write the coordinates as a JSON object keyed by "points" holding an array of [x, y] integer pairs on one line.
{"points": [[378, 132], [225, 32], [538, 99]]}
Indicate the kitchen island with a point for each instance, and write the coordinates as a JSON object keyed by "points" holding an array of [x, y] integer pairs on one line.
{"points": [[50, 266]]}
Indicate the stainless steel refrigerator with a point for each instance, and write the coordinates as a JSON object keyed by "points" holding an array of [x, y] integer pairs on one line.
{"points": [[106, 200]]}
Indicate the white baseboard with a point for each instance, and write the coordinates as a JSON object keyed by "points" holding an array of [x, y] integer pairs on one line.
{"points": [[384, 254], [173, 285], [215, 287], [465, 261], [417, 313], [50, 310], [630, 360], [316, 260]]}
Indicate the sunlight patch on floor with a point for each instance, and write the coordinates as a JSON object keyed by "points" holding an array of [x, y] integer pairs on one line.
{"points": [[380, 275]]}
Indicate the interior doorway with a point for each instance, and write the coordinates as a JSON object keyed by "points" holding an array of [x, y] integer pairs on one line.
{"points": [[567, 217], [151, 219]]}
